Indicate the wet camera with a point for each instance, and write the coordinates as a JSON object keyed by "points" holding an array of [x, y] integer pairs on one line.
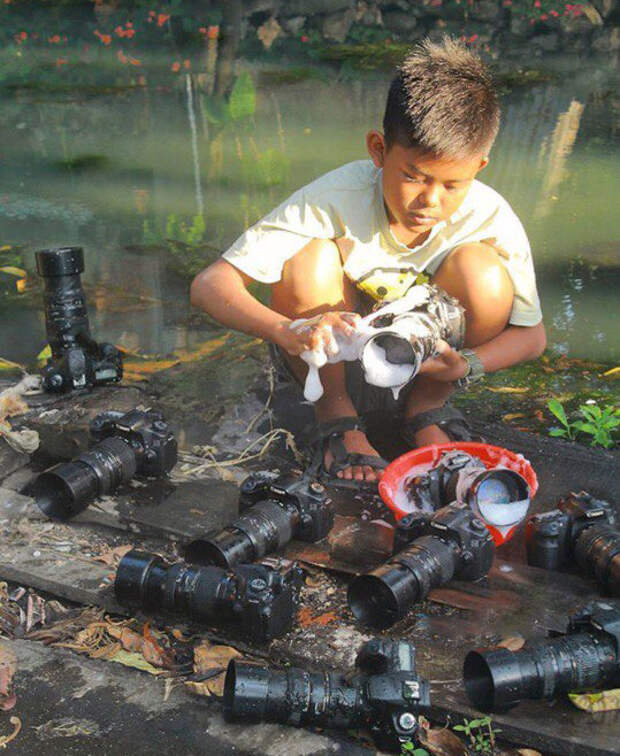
{"points": [[126, 444], [453, 542], [500, 496], [586, 658], [275, 509], [582, 529], [385, 696], [410, 337], [260, 599], [77, 361]]}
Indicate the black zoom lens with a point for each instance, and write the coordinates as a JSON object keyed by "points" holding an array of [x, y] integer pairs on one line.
{"points": [[68, 488], [597, 550], [260, 599], [496, 679], [294, 696], [66, 316], [385, 595], [265, 527]]}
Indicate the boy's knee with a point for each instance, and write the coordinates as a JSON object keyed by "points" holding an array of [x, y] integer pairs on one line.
{"points": [[475, 275], [313, 280]]}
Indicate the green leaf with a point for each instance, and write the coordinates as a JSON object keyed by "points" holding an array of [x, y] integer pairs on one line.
{"points": [[242, 101], [556, 409], [216, 110], [460, 728], [585, 427], [558, 432]]}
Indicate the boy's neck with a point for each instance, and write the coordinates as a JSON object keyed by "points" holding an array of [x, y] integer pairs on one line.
{"points": [[404, 235]]}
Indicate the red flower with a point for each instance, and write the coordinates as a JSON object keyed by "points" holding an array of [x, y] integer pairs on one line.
{"points": [[213, 32], [536, 3], [473, 38], [303, 38], [203, 29], [162, 18], [129, 25], [175, 66], [507, 3], [121, 56], [54, 40], [544, 17], [554, 13], [61, 62], [187, 63], [135, 61]]}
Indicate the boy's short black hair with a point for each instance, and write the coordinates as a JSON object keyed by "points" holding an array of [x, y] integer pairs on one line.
{"points": [[442, 101]]}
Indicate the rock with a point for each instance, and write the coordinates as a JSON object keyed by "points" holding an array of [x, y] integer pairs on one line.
{"points": [[368, 14], [293, 25], [605, 7], [485, 10], [399, 22], [607, 40], [519, 26], [336, 25], [543, 43], [310, 7]]}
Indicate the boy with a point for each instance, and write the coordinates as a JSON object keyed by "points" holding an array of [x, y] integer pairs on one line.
{"points": [[364, 232]]}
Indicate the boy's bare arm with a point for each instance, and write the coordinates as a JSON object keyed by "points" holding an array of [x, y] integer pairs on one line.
{"points": [[513, 345], [221, 291]]}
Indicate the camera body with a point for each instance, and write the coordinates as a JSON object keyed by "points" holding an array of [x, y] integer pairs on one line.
{"points": [[453, 542], [308, 497], [138, 442], [148, 435], [409, 336], [260, 599], [390, 689], [458, 527], [385, 695], [77, 361], [551, 536]]}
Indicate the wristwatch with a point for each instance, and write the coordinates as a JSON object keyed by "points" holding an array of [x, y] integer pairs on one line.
{"points": [[475, 371]]}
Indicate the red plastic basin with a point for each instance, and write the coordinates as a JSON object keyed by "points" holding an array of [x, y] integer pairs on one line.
{"points": [[491, 456]]}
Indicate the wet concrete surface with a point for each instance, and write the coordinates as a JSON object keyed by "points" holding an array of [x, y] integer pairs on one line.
{"points": [[68, 704]]}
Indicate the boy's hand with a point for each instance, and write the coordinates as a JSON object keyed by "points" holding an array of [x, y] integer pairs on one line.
{"points": [[315, 332], [447, 365]]}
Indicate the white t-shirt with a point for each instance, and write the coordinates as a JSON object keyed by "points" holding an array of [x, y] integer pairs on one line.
{"points": [[346, 205]]}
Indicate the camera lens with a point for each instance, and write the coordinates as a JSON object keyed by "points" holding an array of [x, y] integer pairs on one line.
{"points": [[69, 487], [497, 679], [597, 550], [386, 594]]}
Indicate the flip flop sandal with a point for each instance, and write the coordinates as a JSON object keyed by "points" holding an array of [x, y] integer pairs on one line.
{"points": [[448, 418], [329, 436]]}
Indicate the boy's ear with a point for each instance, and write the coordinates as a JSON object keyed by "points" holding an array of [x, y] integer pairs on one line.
{"points": [[483, 163], [375, 143]]}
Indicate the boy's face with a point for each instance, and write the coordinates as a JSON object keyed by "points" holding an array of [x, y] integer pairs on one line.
{"points": [[420, 189]]}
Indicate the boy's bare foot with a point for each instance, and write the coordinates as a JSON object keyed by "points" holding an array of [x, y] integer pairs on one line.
{"points": [[355, 442]]}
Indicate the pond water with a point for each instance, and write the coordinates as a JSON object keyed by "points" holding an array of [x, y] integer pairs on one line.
{"points": [[120, 169]]}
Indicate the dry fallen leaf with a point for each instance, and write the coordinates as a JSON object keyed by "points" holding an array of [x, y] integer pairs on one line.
{"points": [[8, 667], [17, 726], [528, 752], [606, 700], [508, 389], [441, 742], [512, 642], [210, 662], [113, 556]]}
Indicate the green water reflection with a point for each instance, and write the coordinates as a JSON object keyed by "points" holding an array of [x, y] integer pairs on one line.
{"points": [[119, 171]]}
